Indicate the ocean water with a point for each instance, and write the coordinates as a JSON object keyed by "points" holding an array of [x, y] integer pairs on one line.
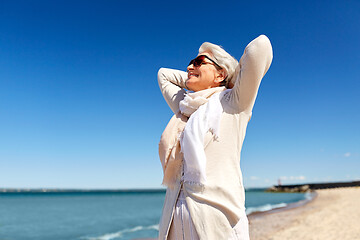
{"points": [[100, 216]]}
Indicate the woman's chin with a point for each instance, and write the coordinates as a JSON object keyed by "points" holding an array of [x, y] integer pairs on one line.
{"points": [[193, 88], [190, 85]]}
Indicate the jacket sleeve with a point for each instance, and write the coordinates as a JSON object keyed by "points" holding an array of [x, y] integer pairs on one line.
{"points": [[172, 84], [252, 67]]}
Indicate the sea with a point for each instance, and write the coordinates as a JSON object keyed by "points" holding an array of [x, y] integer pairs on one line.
{"points": [[105, 215]]}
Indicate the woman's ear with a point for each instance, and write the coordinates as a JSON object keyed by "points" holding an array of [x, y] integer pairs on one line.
{"points": [[221, 75]]}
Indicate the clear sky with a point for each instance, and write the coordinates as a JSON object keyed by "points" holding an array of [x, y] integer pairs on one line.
{"points": [[80, 105]]}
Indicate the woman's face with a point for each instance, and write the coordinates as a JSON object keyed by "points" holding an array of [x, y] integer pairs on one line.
{"points": [[204, 76]]}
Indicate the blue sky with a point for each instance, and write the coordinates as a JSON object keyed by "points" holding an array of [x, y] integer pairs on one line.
{"points": [[80, 105]]}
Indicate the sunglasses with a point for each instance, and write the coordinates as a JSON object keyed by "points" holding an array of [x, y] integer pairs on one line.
{"points": [[200, 60]]}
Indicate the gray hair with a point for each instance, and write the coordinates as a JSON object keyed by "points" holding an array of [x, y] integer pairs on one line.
{"points": [[224, 59]]}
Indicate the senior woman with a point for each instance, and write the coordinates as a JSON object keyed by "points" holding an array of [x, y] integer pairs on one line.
{"points": [[200, 147]]}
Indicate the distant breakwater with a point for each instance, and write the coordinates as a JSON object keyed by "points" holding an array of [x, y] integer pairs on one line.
{"points": [[311, 186]]}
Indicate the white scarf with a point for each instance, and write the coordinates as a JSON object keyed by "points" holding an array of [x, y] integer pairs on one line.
{"points": [[204, 109], [205, 118]]}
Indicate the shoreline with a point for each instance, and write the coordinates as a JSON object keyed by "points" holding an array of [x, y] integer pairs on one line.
{"points": [[332, 214], [289, 206]]}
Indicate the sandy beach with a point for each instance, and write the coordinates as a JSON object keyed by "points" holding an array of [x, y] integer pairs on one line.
{"points": [[333, 214]]}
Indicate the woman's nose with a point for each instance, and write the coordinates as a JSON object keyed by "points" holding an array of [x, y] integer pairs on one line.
{"points": [[190, 67]]}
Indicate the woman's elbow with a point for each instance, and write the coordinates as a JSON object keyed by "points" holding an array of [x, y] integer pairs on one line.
{"points": [[266, 47], [261, 44], [260, 50], [161, 72]]}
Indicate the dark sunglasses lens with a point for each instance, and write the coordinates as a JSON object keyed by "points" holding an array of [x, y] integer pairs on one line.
{"points": [[198, 61]]}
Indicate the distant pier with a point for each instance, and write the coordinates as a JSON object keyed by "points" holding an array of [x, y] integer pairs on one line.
{"points": [[311, 186]]}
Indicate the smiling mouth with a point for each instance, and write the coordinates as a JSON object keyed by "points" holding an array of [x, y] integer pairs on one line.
{"points": [[192, 75]]}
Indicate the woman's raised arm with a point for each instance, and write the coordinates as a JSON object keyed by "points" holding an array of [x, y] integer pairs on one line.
{"points": [[252, 67], [172, 84]]}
